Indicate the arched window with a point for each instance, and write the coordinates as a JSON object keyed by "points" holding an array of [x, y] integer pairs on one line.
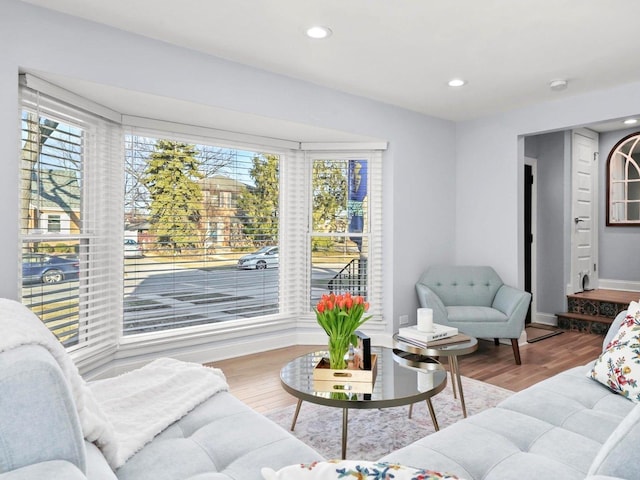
{"points": [[623, 187]]}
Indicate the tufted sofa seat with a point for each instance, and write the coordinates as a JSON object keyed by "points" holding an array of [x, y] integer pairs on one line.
{"points": [[220, 439], [567, 427], [475, 300]]}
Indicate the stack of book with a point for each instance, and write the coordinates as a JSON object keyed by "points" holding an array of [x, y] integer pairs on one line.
{"points": [[441, 335]]}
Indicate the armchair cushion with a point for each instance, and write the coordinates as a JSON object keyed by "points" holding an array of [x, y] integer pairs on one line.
{"points": [[475, 314], [428, 298], [463, 285], [508, 299]]}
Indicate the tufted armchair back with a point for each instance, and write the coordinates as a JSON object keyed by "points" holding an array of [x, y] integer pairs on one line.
{"points": [[462, 285]]}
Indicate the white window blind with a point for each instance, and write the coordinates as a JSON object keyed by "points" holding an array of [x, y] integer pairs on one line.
{"points": [[206, 218], [345, 225], [71, 227]]}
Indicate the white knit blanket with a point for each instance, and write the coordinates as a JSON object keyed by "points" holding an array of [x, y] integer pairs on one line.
{"points": [[121, 414], [143, 402]]}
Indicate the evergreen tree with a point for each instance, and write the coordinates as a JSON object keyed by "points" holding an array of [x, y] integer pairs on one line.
{"points": [[329, 195], [172, 176], [260, 204]]}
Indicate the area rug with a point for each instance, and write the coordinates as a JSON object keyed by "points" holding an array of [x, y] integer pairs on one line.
{"points": [[538, 332], [374, 433]]}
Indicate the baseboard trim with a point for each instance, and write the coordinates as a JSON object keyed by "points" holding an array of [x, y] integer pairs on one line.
{"points": [[625, 285], [546, 319]]}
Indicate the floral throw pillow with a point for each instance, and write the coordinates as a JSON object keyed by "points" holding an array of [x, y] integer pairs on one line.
{"points": [[352, 469], [619, 365]]}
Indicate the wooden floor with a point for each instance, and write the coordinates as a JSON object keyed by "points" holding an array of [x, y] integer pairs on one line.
{"points": [[255, 379]]}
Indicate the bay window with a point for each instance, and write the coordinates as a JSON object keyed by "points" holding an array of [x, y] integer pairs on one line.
{"points": [[143, 233]]}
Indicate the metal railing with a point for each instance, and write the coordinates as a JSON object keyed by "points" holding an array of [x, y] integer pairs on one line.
{"points": [[352, 278]]}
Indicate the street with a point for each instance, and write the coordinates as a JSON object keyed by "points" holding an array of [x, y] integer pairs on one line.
{"points": [[164, 295]]}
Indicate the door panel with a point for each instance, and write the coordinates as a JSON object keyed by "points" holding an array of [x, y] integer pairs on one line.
{"points": [[584, 234]]}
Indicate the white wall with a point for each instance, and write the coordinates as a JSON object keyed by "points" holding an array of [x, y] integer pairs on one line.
{"points": [[419, 167], [489, 171]]}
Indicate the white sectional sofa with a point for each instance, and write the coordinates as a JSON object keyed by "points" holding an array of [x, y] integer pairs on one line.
{"points": [[567, 427]]}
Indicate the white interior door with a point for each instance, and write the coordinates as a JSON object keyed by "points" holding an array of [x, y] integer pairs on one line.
{"points": [[584, 211]]}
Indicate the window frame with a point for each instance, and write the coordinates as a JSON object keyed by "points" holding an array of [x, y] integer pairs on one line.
{"points": [[202, 136], [97, 307], [616, 197], [373, 155]]}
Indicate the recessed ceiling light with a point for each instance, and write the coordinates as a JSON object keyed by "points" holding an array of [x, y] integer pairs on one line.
{"points": [[457, 82], [318, 32], [630, 121], [558, 85]]}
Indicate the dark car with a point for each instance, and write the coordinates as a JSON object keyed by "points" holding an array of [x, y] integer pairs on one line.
{"points": [[45, 268]]}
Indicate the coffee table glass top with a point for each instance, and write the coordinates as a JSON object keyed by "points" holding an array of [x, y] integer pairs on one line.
{"points": [[395, 384]]}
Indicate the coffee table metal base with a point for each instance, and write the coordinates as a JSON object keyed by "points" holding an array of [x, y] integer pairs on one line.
{"points": [[345, 421], [420, 357]]}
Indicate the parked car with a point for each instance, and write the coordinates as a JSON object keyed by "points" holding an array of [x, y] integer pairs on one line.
{"points": [[132, 249], [261, 259], [45, 268]]}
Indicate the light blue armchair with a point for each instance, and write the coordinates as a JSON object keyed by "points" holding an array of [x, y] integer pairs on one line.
{"points": [[476, 301]]}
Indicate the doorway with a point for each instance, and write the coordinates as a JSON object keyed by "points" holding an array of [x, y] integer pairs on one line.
{"points": [[529, 234]]}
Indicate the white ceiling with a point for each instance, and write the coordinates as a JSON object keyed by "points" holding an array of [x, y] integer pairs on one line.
{"points": [[403, 52]]}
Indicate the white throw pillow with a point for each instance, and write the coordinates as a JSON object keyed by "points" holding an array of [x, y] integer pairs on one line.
{"points": [[619, 365], [342, 469]]}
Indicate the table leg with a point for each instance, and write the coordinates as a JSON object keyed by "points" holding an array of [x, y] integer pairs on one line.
{"points": [[295, 415], [452, 372], [410, 410], [345, 421], [432, 413], [454, 360]]}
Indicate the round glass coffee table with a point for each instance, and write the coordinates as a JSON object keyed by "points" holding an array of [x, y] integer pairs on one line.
{"points": [[395, 385], [413, 355]]}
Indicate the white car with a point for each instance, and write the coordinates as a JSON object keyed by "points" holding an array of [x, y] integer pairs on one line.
{"points": [[261, 259], [132, 249]]}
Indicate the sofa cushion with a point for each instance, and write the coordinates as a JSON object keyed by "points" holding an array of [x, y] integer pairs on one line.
{"points": [[618, 367], [38, 420], [613, 457], [97, 466], [221, 438], [51, 470], [337, 469]]}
